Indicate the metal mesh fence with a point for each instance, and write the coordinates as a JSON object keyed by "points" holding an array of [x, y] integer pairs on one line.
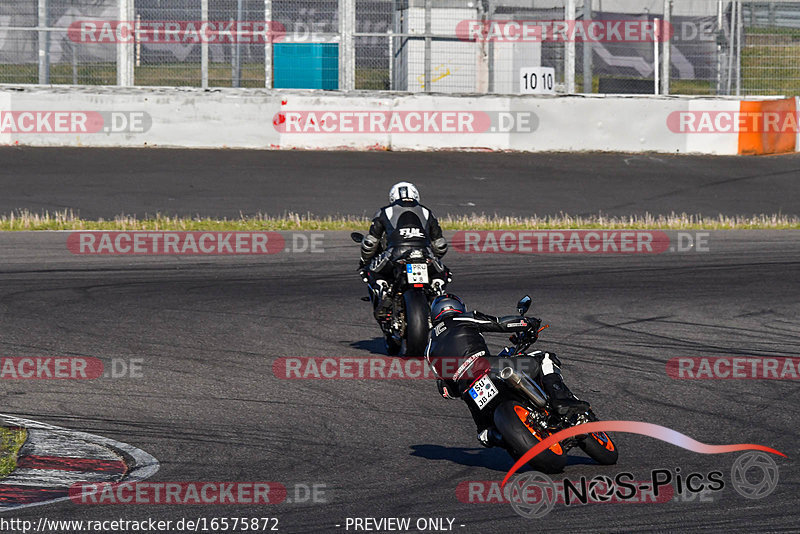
{"points": [[306, 55], [449, 46], [771, 48], [235, 39], [25, 29], [697, 54], [161, 62], [507, 56], [374, 48], [687, 35], [392, 37]]}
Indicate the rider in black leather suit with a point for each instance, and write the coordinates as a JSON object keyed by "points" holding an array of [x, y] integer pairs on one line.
{"points": [[458, 354], [402, 225]]}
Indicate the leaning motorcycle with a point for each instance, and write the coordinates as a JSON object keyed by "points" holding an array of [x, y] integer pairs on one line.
{"points": [[417, 278], [522, 413]]}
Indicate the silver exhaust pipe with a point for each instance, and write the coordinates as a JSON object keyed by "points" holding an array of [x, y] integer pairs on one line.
{"points": [[522, 383]]}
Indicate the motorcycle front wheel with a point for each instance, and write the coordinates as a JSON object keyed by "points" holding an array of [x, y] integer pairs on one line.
{"points": [[599, 447]]}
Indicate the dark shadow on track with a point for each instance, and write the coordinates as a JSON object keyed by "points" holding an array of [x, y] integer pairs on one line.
{"points": [[495, 459], [373, 346]]}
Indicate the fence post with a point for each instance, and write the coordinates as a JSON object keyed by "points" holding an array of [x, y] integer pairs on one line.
{"points": [[731, 46], [587, 49], [125, 50], [268, 44], [569, 52], [347, 55], [237, 48], [656, 59], [739, 49], [428, 44], [667, 43], [351, 47], [720, 56], [204, 45], [44, 44], [490, 48], [390, 33]]}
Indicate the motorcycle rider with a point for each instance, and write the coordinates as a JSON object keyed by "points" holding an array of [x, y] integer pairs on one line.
{"points": [[458, 354], [401, 225]]}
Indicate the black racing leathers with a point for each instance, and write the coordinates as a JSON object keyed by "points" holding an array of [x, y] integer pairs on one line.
{"points": [[457, 350], [458, 354], [400, 226]]}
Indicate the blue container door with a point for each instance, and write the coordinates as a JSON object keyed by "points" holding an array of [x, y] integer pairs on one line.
{"points": [[306, 66]]}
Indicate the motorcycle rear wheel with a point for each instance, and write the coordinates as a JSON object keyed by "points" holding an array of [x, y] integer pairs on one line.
{"points": [[510, 419], [417, 322]]}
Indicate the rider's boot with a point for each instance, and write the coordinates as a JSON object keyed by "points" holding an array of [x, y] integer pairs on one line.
{"points": [[490, 437], [562, 399], [438, 286]]}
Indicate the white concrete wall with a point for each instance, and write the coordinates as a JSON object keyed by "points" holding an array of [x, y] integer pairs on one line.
{"points": [[244, 119]]}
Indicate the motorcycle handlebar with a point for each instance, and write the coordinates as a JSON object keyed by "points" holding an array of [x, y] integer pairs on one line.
{"points": [[523, 340]]}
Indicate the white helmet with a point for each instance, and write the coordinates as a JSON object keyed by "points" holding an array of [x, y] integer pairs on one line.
{"points": [[403, 190]]}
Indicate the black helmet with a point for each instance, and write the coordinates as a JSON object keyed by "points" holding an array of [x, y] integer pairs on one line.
{"points": [[445, 306]]}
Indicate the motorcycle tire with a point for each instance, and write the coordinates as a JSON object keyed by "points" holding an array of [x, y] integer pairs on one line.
{"points": [[509, 419], [600, 448], [392, 346], [417, 322]]}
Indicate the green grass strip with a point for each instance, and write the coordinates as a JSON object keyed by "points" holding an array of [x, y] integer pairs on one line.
{"points": [[66, 220], [11, 440]]}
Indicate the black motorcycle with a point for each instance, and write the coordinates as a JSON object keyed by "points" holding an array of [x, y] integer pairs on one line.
{"points": [[522, 413], [418, 278]]}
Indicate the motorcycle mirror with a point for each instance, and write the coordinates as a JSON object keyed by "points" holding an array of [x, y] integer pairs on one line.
{"points": [[357, 237], [524, 304]]}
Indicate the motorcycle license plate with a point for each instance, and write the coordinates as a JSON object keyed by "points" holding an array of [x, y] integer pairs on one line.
{"points": [[483, 391], [417, 273]]}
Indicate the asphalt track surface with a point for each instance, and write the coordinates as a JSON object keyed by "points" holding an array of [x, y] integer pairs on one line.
{"points": [[208, 406], [226, 183]]}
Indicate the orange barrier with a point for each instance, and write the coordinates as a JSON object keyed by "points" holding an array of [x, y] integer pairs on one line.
{"points": [[766, 137]]}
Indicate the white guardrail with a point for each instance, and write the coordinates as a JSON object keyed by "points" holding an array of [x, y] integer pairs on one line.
{"points": [[260, 119]]}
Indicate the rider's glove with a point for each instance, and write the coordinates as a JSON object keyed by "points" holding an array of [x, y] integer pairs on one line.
{"points": [[535, 325], [445, 391]]}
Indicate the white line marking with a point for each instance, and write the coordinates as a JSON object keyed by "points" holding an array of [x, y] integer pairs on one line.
{"points": [[46, 443], [56, 478], [145, 464]]}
